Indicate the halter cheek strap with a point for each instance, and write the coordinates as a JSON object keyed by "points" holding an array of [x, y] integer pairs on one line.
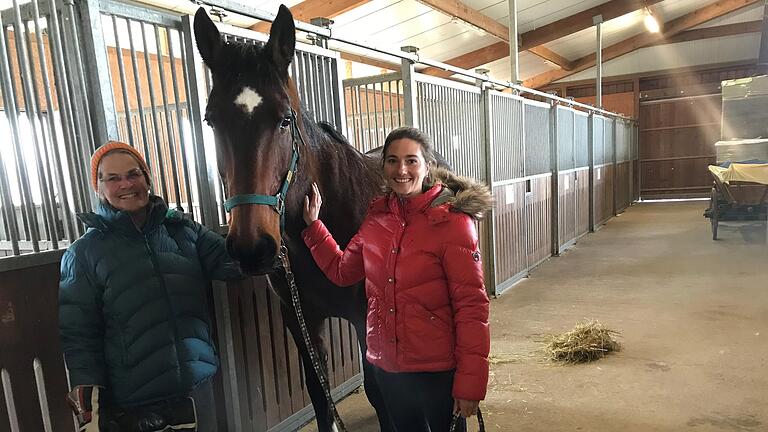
{"points": [[276, 201]]}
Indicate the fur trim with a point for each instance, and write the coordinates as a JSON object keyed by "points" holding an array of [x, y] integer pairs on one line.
{"points": [[469, 196]]}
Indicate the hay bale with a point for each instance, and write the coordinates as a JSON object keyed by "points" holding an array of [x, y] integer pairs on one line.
{"points": [[587, 341]]}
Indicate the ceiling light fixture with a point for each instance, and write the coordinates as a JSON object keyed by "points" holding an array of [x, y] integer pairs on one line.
{"points": [[651, 24]]}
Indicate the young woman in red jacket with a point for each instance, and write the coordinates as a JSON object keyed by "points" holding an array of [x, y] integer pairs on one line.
{"points": [[427, 322]]}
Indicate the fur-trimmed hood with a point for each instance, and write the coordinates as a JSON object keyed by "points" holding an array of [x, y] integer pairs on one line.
{"points": [[465, 194]]}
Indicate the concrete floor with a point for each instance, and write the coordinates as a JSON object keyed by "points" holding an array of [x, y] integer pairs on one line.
{"points": [[692, 312]]}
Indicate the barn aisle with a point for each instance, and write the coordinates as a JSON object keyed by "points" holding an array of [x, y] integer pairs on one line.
{"points": [[693, 314]]}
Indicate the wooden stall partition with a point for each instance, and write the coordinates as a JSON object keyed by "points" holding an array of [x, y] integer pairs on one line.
{"points": [[510, 229], [31, 361], [582, 201], [538, 210], [623, 191], [599, 194], [609, 174], [266, 366], [567, 207]]}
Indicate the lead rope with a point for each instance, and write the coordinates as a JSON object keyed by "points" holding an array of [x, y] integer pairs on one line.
{"points": [[307, 341], [455, 421]]}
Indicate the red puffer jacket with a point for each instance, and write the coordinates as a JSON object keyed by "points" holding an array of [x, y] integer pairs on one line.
{"points": [[427, 305]]}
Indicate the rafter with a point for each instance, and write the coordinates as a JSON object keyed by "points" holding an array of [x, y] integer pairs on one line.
{"points": [[580, 21], [626, 46], [553, 31], [458, 10], [309, 9], [548, 54], [713, 32], [370, 61]]}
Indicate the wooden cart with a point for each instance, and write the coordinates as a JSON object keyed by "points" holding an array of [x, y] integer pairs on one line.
{"points": [[736, 200]]}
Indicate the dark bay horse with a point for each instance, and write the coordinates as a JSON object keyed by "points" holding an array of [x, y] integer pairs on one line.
{"points": [[260, 127]]}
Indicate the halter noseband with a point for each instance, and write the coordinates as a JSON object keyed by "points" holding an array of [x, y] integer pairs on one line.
{"points": [[276, 201]]}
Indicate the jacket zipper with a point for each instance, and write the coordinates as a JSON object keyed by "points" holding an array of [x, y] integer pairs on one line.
{"points": [[159, 275]]}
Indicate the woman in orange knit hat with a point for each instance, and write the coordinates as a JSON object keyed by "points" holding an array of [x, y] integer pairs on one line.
{"points": [[133, 314]]}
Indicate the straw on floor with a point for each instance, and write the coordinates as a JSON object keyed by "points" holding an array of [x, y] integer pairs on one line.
{"points": [[588, 341]]}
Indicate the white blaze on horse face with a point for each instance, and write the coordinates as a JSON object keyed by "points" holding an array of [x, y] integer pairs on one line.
{"points": [[248, 100]]}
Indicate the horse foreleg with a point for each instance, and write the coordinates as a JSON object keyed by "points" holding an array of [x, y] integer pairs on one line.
{"points": [[372, 391], [314, 388]]}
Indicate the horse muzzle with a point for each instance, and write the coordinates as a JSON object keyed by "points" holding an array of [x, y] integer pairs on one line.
{"points": [[258, 256]]}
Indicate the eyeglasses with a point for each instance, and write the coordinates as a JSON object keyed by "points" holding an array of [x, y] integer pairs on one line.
{"points": [[132, 176]]}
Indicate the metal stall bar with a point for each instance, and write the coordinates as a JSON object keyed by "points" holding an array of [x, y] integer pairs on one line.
{"points": [[486, 128], [138, 87], [39, 137], [156, 130], [170, 138], [180, 125], [555, 182], [591, 154], [84, 142], [70, 124], [102, 101], [56, 168], [28, 213], [123, 84], [10, 224]]}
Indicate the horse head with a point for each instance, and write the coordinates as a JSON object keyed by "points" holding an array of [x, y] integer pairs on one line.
{"points": [[254, 111]]}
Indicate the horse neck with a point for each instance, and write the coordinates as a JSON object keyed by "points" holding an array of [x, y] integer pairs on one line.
{"points": [[348, 187]]}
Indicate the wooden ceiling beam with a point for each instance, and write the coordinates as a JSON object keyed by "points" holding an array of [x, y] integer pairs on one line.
{"points": [[713, 32], [370, 61], [580, 21], [309, 9], [469, 60], [551, 56], [671, 29], [536, 38], [458, 10]]}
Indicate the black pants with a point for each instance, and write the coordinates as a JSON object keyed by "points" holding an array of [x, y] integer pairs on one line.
{"points": [[418, 401]]}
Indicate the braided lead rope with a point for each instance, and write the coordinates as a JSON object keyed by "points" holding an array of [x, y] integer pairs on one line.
{"points": [[455, 421], [307, 341]]}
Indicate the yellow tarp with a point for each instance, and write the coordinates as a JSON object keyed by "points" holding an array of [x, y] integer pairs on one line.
{"points": [[756, 173]]}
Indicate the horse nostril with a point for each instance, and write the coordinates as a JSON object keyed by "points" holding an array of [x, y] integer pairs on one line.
{"points": [[256, 255]]}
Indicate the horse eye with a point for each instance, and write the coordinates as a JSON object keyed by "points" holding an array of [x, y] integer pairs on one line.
{"points": [[285, 123]]}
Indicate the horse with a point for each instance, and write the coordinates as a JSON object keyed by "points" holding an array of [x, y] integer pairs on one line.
{"points": [[267, 144]]}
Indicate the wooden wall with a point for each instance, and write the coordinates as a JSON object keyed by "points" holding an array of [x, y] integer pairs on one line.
{"points": [[538, 210], [29, 330], [677, 142]]}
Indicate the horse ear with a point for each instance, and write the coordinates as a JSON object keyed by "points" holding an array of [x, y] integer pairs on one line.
{"points": [[282, 39], [207, 37]]}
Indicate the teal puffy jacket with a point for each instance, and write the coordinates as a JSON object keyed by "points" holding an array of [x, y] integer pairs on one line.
{"points": [[133, 307]]}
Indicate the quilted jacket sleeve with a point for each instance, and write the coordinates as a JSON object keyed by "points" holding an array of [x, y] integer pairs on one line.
{"points": [[464, 272], [81, 324], [212, 251], [343, 268]]}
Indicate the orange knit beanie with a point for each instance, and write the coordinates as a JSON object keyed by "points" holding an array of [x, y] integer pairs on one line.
{"points": [[109, 147]]}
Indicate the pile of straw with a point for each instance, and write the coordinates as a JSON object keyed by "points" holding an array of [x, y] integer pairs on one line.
{"points": [[587, 341]]}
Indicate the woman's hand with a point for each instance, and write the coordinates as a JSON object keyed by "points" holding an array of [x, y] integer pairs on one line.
{"points": [[465, 408], [312, 203]]}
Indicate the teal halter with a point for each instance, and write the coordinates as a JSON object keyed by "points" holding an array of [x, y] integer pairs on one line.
{"points": [[276, 201]]}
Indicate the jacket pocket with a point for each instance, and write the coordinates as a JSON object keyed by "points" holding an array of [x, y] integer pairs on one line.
{"points": [[428, 337]]}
